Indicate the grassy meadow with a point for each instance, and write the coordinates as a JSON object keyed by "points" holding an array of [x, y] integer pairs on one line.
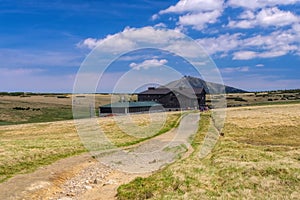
{"points": [[259, 98], [25, 147], [143, 130], [21, 109], [257, 158]]}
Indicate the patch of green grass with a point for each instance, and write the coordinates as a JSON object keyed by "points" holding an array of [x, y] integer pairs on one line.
{"points": [[52, 114], [47, 113], [3, 123], [147, 188], [274, 103]]}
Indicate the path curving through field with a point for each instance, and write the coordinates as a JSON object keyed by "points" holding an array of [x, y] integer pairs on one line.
{"points": [[82, 177]]}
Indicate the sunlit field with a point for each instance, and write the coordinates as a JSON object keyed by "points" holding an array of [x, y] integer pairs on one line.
{"points": [[257, 158], [25, 147], [30, 108]]}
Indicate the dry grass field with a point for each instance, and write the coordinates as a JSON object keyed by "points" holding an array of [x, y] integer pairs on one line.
{"points": [[50, 104], [120, 133], [25, 147], [17, 109], [42, 108], [257, 158], [259, 98], [32, 108]]}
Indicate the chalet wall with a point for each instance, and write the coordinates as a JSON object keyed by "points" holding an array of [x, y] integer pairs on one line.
{"points": [[172, 100]]}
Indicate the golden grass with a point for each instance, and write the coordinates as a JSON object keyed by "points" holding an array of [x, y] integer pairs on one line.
{"points": [[48, 107], [37, 99], [266, 125], [25, 147], [258, 158], [265, 116], [40, 109], [124, 130], [258, 98]]}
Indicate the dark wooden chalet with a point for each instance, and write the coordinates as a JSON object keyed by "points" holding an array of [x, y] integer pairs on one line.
{"points": [[175, 99]]}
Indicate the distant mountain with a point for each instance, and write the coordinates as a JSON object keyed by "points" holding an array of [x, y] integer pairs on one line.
{"points": [[212, 88]]}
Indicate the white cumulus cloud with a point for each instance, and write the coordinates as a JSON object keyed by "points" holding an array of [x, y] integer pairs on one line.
{"points": [[245, 24], [235, 69], [260, 65], [130, 37], [184, 6], [148, 64], [199, 20], [256, 4], [116, 43], [89, 43], [274, 44], [244, 55], [196, 13], [264, 18], [223, 43], [146, 37], [275, 17]]}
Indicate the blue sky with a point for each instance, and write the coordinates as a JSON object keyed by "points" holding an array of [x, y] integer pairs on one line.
{"points": [[255, 44]]}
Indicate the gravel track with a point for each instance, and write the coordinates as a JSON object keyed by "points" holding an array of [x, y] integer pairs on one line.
{"points": [[82, 177]]}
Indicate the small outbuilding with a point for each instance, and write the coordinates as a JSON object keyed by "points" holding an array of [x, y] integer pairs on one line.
{"points": [[130, 107]]}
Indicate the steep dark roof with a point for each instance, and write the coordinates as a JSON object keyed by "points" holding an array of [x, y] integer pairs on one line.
{"points": [[131, 104], [189, 92], [157, 91]]}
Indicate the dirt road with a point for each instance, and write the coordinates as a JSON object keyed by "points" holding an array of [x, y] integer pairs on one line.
{"points": [[83, 177]]}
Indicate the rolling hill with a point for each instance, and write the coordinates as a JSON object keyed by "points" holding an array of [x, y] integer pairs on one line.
{"points": [[212, 88]]}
